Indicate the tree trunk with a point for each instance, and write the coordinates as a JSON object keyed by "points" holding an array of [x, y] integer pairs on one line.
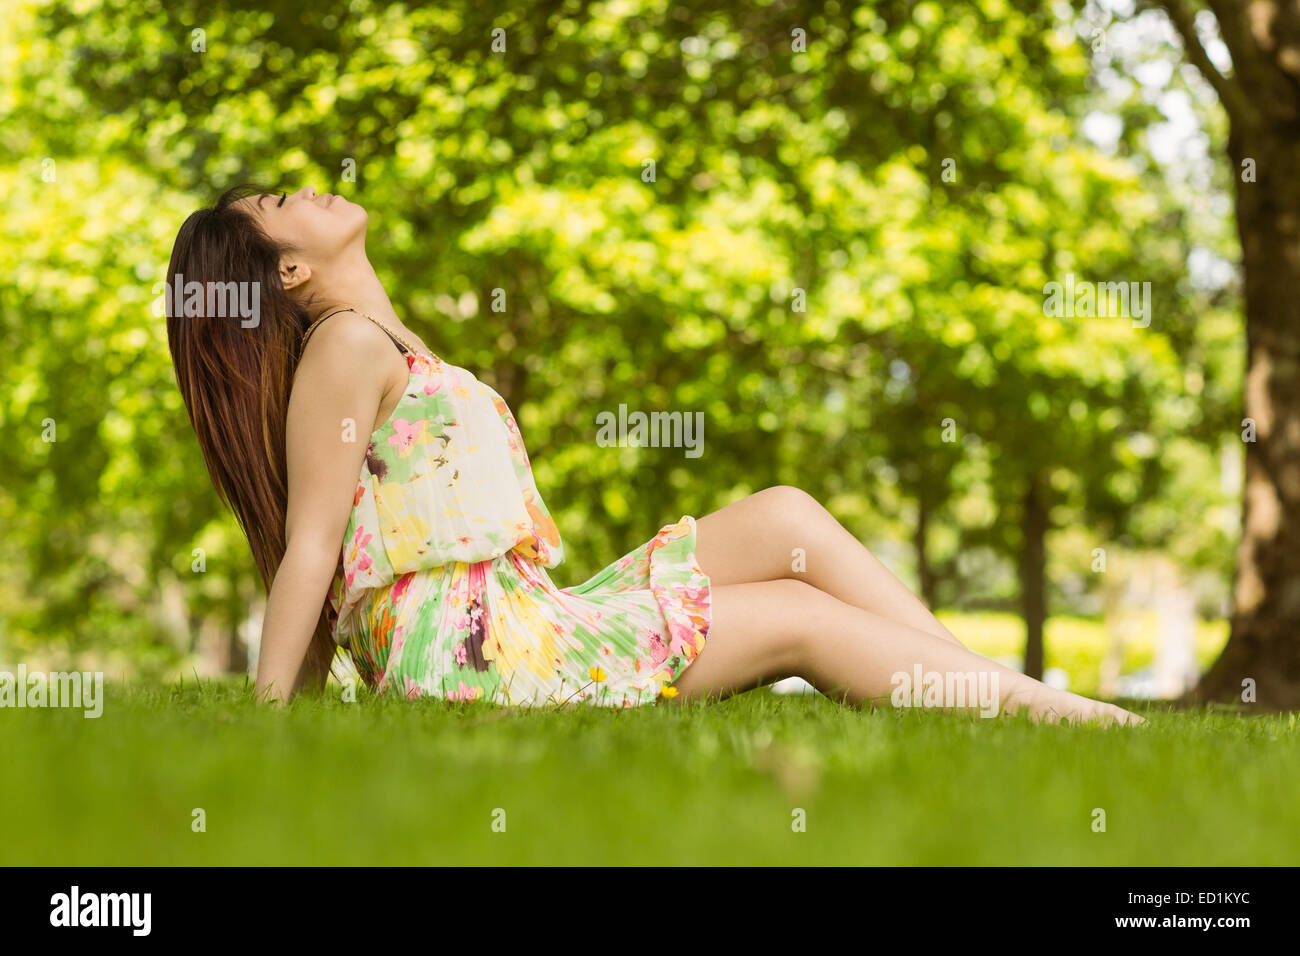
{"points": [[1262, 99], [1264, 645], [1033, 575]]}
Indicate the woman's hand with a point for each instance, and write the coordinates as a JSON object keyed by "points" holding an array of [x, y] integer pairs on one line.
{"points": [[292, 610]]}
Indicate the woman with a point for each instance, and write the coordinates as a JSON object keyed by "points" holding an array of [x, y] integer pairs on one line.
{"points": [[326, 422]]}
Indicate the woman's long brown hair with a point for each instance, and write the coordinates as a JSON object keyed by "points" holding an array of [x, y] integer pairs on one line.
{"points": [[235, 380]]}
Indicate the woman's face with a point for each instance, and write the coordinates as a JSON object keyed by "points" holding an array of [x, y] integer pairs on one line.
{"points": [[319, 226]]}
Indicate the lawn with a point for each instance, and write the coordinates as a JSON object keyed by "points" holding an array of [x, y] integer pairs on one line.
{"points": [[384, 782]]}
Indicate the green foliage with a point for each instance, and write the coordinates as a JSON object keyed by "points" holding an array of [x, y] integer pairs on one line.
{"points": [[781, 177]]}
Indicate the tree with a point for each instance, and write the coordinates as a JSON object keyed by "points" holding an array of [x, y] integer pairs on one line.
{"points": [[801, 268], [1261, 96]]}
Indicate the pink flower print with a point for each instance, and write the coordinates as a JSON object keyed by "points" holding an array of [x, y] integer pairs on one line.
{"points": [[695, 594], [683, 638], [431, 387], [358, 558], [462, 655], [406, 435], [359, 540], [425, 364], [463, 692], [658, 651]]}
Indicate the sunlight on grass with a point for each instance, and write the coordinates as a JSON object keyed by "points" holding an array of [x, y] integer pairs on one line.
{"points": [[386, 781]]}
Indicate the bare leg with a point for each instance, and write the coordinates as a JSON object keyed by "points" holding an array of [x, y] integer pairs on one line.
{"points": [[755, 540], [765, 631]]}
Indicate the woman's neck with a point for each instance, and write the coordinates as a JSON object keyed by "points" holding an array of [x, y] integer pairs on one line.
{"points": [[355, 285]]}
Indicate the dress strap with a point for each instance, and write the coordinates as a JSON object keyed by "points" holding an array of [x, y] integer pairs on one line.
{"points": [[397, 339], [312, 328]]}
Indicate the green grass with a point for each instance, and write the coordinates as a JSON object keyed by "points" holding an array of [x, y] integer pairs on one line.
{"points": [[385, 782]]}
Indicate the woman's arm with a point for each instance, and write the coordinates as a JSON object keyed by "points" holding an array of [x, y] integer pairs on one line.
{"points": [[292, 610], [349, 367]]}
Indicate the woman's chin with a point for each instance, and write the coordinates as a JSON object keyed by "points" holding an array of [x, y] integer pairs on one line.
{"points": [[354, 215]]}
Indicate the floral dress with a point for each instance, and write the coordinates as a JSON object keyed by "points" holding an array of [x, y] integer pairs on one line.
{"points": [[442, 587]]}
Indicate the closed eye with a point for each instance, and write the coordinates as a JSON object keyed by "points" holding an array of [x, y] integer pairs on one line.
{"points": [[283, 196]]}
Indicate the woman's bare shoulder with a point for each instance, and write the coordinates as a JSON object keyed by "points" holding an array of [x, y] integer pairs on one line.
{"points": [[349, 344], [348, 338]]}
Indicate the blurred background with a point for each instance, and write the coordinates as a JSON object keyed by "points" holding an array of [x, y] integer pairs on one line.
{"points": [[826, 226]]}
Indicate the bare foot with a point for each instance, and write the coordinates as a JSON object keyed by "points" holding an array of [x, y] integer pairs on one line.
{"points": [[1048, 705], [1099, 712], [1118, 715]]}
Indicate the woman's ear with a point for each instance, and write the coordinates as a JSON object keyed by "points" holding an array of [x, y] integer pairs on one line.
{"points": [[293, 274]]}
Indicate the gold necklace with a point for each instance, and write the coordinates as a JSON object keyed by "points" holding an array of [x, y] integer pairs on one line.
{"points": [[405, 344]]}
